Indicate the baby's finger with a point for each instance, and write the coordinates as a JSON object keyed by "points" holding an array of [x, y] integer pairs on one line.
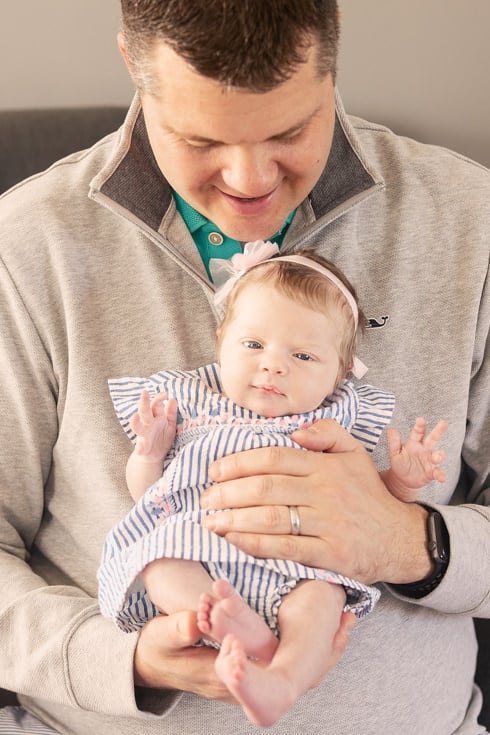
{"points": [[144, 408], [418, 431], [157, 405], [394, 441], [171, 411], [438, 457], [136, 424], [434, 436]]}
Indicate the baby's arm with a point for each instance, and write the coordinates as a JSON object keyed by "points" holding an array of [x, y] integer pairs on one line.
{"points": [[154, 423], [416, 462]]}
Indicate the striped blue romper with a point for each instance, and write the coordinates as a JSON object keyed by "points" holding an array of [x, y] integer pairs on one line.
{"points": [[166, 521]]}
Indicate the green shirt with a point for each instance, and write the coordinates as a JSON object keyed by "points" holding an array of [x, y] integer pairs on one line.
{"points": [[210, 241]]}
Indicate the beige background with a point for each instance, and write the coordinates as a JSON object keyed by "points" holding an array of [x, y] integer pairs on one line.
{"points": [[422, 67]]}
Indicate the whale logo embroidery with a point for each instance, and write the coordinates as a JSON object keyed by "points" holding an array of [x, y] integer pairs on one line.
{"points": [[374, 323]]}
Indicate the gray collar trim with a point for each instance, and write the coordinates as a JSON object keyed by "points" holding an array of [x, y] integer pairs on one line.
{"points": [[343, 178], [137, 184]]}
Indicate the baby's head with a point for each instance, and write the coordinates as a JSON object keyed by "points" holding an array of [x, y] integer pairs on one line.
{"points": [[288, 337]]}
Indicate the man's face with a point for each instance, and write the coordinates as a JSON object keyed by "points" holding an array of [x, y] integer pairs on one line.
{"points": [[244, 160]]}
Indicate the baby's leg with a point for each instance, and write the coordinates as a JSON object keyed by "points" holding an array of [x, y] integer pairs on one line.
{"points": [[309, 617], [181, 584], [224, 612], [176, 584]]}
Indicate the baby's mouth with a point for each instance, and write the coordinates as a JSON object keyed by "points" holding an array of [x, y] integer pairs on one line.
{"points": [[269, 389]]}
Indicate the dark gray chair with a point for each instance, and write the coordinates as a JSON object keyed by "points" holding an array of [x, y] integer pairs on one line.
{"points": [[483, 667], [30, 140]]}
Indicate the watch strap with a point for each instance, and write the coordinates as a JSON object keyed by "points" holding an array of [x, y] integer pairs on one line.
{"points": [[438, 547]]}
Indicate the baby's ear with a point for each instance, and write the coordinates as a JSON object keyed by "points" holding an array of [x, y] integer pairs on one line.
{"points": [[218, 343]]}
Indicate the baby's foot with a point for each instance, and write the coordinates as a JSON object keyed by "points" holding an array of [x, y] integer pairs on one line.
{"points": [[226, 612], [264, 694]]}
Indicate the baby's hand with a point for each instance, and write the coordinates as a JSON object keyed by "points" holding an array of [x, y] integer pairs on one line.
{"points": [[154, 424], [417, 462]]}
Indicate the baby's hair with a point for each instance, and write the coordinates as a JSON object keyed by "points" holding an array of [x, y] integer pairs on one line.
{"points": [[309, 288]]}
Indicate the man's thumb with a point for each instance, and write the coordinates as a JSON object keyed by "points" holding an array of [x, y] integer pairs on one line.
{"points": [[180, 629], [326, 435]]}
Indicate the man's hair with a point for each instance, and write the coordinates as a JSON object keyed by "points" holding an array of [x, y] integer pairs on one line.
{"points": [[250, 44], [309, 288]]}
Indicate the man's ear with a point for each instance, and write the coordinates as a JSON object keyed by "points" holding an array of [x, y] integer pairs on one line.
{"points": [[121, 43]]}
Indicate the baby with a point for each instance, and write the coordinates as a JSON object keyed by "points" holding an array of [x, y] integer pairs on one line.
{"points": [[285, 345]]}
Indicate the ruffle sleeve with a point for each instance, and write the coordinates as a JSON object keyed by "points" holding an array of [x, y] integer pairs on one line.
{"points": [[125, 392], [375, 410], [363, 410]]}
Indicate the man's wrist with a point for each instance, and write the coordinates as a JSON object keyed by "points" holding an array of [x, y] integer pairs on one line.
{"points": [[438, 549]]}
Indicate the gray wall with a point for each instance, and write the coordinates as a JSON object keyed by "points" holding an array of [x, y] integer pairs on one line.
{"points": [[60, 52], [420, 67]]}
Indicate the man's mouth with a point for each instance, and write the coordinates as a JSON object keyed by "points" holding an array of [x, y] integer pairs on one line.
{"points": [[249, 205]]}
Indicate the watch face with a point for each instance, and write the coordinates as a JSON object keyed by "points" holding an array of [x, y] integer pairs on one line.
{"points": [[438, 538]]}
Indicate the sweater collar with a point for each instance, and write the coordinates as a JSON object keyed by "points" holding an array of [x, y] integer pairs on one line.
{"points": [[132, 179]]}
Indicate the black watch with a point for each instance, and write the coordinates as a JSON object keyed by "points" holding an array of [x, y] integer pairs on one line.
{"points": [[438, 547]]}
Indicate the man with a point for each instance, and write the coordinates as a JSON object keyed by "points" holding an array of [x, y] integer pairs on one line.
{"points": [[237, 134]]}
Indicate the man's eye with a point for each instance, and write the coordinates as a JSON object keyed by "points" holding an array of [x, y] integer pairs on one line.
{"points": [[252, 344], [291, 137], [199, 146], [303, 356]]}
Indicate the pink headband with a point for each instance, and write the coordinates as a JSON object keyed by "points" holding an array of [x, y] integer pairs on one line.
{"points": [[226, 273]]}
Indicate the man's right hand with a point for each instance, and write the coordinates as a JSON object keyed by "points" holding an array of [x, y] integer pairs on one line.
{"points": [[165, 658]]}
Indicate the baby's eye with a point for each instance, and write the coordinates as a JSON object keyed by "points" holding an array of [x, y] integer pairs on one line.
{"points": [[252, 344], [303, 356]]}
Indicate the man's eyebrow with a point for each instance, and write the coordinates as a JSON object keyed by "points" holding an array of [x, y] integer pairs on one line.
{"points": [[294, 129], [283, 134]]}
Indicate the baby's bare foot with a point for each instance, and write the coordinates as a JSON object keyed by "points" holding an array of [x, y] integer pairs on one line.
{"points": [[228, 613], [264, 694]]}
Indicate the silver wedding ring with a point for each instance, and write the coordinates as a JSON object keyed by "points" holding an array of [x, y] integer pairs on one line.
{"points": [[295, 521]]}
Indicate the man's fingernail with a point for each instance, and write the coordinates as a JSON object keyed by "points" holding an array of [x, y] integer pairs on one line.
{"points": [[214, 471], [307, 429], [210, 523]]}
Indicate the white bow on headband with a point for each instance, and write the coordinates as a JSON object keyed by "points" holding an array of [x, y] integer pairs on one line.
{"points": [[225, 274]]}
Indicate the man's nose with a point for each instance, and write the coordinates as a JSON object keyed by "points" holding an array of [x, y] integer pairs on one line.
{"points": [[249, 171]]}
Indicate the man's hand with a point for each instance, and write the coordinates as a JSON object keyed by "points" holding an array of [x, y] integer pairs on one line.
{"points": [[349, 522], [166, 659]]}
